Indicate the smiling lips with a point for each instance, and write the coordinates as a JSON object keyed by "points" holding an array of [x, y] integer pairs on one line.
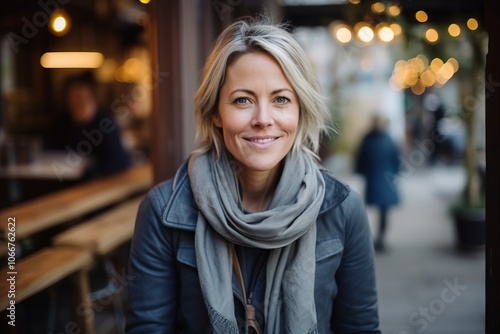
{"points": [[262, 140]]}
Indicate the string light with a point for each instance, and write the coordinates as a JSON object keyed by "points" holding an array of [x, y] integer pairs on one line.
{"points": [[431, 35], [378, 7], [417, 75], [421, 16], [394, 10], [472, 23], [454, 30]]}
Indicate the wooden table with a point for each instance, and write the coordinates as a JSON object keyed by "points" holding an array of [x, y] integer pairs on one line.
{"points": [[53, 209], [45, 167]]}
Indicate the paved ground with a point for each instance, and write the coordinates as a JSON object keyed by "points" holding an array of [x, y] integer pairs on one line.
{"points": [[425, 285]]}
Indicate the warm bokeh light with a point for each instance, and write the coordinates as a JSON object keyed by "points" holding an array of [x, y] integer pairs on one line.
{"points": [[106, 73], [365, 34], [59, 23], [472, 23], [144, 1], [343, 35], [133, 71], [71, 60], [396, 28], [431, 35], [445, 73], [394, 10], [418, 88], [417, 74], [355, 2], [436, 64], [428, 78], [411, 78], [424, 60], [421, 16], [378, 7], [453, 63], [340, 31], [386, 34], [454, 30], [417, 64]]}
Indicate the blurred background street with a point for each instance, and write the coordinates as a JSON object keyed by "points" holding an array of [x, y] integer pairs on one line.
{"points": [[422, 254]]}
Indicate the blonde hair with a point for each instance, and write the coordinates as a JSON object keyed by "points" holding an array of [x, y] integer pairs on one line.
{"points": [[246, 36]]}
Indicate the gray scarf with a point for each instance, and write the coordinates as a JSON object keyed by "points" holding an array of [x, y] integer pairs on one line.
{"points": [[287, 229]]}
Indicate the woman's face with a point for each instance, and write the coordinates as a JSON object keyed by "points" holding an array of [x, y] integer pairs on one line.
{"points": [[258, 112]]}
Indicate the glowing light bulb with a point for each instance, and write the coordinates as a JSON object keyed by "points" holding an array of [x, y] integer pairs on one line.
{"points": [[396, 28], [454, 30], [386, 34], [378, 7], [394, 10], [365, 34], [421, 16], [431, 35], [59, 24], [472, 23], [343, 35]]}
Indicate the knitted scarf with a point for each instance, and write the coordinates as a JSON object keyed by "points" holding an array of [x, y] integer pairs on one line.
{"points": [[287, 228]]}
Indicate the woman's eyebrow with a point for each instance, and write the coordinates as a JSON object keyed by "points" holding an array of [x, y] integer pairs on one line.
{"points": [[277, 91], [248, 91]]}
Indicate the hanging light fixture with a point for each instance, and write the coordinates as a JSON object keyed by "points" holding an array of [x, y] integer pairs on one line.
{"points": [[60, 22]]}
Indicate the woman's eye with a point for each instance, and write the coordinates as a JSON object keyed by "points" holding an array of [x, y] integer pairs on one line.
{"points": [[241, 100], [282, 99]]}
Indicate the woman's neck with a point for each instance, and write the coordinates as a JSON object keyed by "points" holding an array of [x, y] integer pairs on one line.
{"points": [[258, 188]]}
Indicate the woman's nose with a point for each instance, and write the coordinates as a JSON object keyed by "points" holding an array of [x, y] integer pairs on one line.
{"points": [[262, 117]]}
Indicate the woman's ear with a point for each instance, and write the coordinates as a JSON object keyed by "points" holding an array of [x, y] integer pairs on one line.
{"points": [[217, 120]]}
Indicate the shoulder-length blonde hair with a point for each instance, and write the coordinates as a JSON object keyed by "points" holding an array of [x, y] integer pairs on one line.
{"points": [[247, 36]]}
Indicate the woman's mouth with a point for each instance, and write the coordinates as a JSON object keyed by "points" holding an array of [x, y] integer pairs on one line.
{"points": [[261, 141]]}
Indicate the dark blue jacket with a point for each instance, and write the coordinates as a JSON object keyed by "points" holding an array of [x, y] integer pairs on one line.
{"points": [[378, 162], [165, 293]]}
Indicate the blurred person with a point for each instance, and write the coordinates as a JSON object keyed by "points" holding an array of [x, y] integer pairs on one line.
{"points": [[251, 236], [378, 161], [86, 130], [432, 102]]}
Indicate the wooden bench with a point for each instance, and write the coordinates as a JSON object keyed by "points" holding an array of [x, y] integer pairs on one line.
{"points": [[45, 268], [105, 232], [101, 236], [57, 208]]}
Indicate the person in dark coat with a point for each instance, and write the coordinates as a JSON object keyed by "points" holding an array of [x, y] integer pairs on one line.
{"points": [[378, 161], [87, 131]]}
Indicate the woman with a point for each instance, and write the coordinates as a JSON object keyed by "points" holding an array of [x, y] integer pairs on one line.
{"points": [[251, 236]]}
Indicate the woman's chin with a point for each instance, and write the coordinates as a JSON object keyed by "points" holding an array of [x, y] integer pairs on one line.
{"points": [[257, 165]]}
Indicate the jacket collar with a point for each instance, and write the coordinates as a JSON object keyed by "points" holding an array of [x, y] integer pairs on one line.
{"points": [[181, 211]]}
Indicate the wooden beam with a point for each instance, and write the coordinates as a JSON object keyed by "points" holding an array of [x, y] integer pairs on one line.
{"points": [[174, 40]]}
